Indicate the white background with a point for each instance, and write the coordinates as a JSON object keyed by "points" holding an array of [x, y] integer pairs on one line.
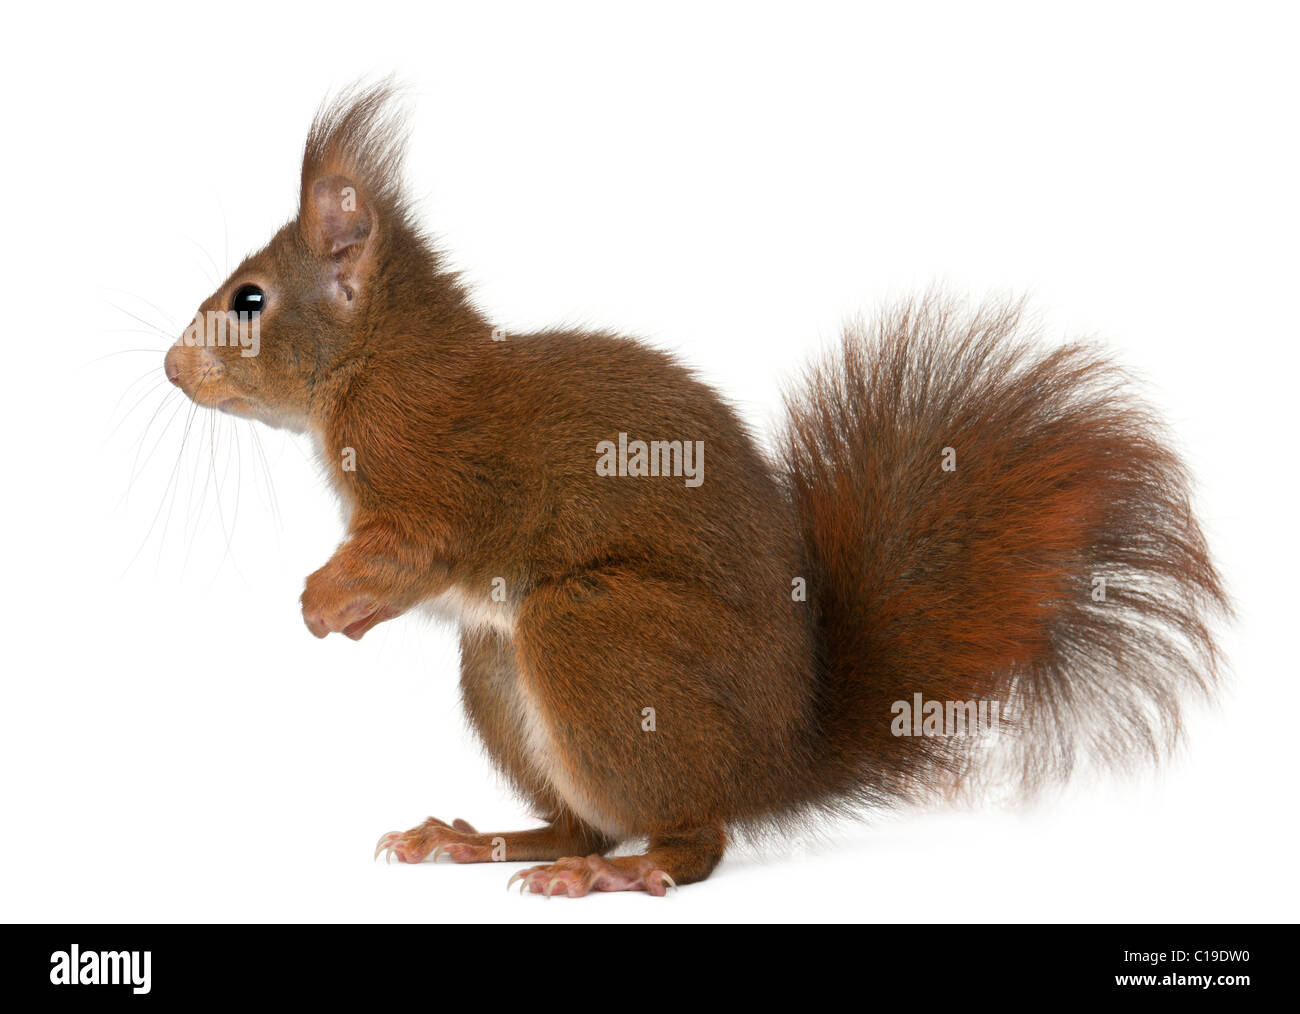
{"points": [[727, 181]]}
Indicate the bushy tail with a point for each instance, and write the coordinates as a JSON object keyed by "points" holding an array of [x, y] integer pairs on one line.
{"points": [[984, 519]]}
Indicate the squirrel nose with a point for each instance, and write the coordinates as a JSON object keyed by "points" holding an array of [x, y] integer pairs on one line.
{"points": [[172, 370]]}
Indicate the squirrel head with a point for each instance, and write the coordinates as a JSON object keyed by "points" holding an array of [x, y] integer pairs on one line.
{"points": [[265, 344]]}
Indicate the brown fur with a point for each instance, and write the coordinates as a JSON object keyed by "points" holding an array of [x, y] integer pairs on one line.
{"points": [[977, 583], [475, 470]]}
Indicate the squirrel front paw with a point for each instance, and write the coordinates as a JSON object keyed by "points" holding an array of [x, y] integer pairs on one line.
{"points": [[328, 608]]}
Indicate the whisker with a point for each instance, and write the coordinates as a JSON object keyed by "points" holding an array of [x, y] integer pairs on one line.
{"points": [[167, 317], [239, 484], [213, 277], [157, 383], [171, 479], [269, 475], [221, 514], [175, 491], [136, 317], [137, 468], [123, 352], [197, 516], [225, 228]]}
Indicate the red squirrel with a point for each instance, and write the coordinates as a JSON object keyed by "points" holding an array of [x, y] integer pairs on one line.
{"points": [[667, 635]]}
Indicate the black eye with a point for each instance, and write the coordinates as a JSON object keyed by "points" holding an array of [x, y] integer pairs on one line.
{"points": [[248, 299]]}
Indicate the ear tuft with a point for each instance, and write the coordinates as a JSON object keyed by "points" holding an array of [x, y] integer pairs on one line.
{"points": [[351, 187], [357, 140]]}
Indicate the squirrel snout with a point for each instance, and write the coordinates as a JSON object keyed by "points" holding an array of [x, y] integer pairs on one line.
{"points": [[182, 361], [171, 367]]}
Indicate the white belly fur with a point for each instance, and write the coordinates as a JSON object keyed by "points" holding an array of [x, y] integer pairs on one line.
{"points": [[546, 762], [473, 611]]}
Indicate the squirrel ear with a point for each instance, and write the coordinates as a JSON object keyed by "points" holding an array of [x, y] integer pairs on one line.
{"points": [[351, 185], [339, 227], [335, 216]]}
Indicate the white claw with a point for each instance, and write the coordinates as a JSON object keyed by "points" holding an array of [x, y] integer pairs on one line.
{"points": [[382, 839], [389, 857], [437, 852], [551, 886], [669, 881], [511, 882]]}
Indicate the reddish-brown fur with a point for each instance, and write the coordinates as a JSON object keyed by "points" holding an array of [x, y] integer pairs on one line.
{"points": [[475, 472]]}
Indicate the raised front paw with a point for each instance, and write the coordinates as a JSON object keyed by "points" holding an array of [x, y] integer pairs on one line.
{"points": [[328, 607], [436, 838], [578, 876]]}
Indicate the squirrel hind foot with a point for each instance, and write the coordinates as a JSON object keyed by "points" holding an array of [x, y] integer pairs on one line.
{"points": [[578, 876], [674, 859]]}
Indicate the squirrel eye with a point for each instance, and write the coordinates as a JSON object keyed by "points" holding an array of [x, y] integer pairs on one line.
{"points": [[248, 299]]}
